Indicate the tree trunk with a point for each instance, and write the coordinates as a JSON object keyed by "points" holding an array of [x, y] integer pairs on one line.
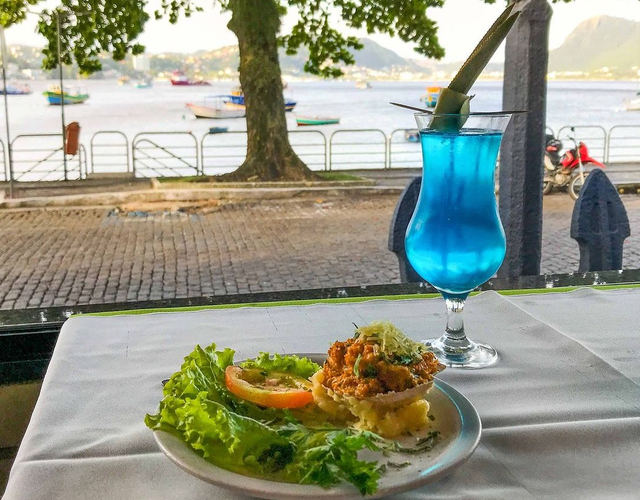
{"points": [[269, 154]]}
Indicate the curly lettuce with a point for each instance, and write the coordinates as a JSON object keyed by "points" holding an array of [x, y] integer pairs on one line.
{"points": [[243, 437], [302, 367]]}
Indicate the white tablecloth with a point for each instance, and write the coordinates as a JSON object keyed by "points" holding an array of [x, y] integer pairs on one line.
{"points": [[561, 411]]}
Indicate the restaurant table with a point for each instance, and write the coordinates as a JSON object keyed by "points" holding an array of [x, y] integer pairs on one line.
{"points": [[560, 411]]}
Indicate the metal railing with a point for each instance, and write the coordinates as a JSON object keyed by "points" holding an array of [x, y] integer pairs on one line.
{"points": [[221, 153], [402, 152], [153, 157], [311, 148], [40, 157], [111, 156], [594, 136], [626, 139], [359, 151]]}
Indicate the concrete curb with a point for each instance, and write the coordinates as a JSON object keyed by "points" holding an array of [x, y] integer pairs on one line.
{"points": [[183, 195], [260, 185]]}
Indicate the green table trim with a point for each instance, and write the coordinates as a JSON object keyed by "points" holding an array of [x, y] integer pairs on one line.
{"points": [[347, 300]]}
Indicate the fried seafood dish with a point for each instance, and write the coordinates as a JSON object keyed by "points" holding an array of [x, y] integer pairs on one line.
{"points": [[378, 380]]}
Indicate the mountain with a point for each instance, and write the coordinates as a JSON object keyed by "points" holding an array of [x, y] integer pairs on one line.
{"points": [[373, 56], [599, 42]]}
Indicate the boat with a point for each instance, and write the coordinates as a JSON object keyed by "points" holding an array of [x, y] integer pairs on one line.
{"points": [[304, 121], [16, 89], [215, 107], [178, 78], [361, 84], [237, 98], [72, 95], [143, 84], [431, 97], [218, 130], [124, 80], [632, 104], [412, 135]]}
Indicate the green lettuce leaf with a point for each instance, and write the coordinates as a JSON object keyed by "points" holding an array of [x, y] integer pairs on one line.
{"points": [[221, 436], [302, 367]]}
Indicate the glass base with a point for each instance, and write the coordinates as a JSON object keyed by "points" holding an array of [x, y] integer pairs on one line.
{"points": [[472, 356]]}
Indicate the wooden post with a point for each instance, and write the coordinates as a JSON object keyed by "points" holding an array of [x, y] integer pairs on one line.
{"points": [[522, 152]]}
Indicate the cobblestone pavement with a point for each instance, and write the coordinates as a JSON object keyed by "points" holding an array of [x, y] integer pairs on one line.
{"points": [[68, 257]]}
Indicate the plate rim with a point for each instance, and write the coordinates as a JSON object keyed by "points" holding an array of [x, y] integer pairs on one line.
{"points": [[463, 446]]}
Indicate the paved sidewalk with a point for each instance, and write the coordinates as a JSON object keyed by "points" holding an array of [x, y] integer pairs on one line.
{"points": [[76, 256]]}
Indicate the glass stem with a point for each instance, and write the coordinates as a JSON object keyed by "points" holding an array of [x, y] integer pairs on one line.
{"points": [[454, 339]]}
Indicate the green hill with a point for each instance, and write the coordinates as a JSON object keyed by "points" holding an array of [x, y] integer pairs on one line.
{"points": [[373, 56], [599, 42]]}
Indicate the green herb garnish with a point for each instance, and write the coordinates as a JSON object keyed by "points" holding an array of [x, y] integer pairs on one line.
{"points": [[394, 345], [356, 366]]}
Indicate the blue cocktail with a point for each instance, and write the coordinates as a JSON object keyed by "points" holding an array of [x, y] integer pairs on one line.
{"points": [[455, 239]]}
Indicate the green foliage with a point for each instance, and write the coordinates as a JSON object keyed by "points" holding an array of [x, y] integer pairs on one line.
{"points": [[89, 28], [14, 11]]}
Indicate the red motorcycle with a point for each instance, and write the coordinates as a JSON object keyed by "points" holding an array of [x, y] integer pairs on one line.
{"points": [[569, 169]]}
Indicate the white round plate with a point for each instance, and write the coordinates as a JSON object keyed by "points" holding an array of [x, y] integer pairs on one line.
{"points": [[455, 418]]}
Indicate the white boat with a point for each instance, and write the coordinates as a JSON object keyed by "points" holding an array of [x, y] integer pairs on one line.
{"points": [[361, 84], [632, 104], [219, 109]]}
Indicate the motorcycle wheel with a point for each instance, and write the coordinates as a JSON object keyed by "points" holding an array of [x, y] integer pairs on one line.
{"points": [[576, 186], [547, 187]]}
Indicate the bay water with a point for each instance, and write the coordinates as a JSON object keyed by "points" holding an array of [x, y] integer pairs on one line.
{"points": [[162, 109]]}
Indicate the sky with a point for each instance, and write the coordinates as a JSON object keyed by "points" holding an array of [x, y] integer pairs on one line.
{"points": [[462, 23]]}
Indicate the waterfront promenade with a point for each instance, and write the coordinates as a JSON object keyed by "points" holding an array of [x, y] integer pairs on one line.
{"points": [[79, 256]]}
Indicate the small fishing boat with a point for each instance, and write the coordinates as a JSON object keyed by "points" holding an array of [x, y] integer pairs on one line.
{"points": [[215, 107], [237, 98], [304, 121], [218, 130], [16, 89], [143, 84], [178, 78], [72, 95], [412, 135], [632, 104], [362, 85], [431, 97]]}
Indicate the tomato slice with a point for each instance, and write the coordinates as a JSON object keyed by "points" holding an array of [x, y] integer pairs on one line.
{"points": [[275, 390]]}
